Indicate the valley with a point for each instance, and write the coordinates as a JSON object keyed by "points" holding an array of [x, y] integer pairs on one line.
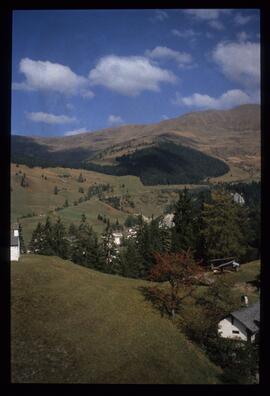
{"points": [[85, 296]]}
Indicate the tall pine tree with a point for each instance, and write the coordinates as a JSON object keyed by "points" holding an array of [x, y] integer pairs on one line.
{"points": [[185, 223], [85, 249], [109, 249], [59, 241], [22, 244], [222, 231]]}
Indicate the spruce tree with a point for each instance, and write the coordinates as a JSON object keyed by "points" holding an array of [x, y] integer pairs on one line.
{"points": [[185, 217], [80, 178], [109, 249], [151, 238], [86, 250], [24, 182], [131, 260], [72, 229], [47, 246], [22, 244], [222, 233], [36, 243], [55, 191], [59, 241]]}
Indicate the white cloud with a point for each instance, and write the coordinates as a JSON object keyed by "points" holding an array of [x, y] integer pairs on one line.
{"points": [[241, 19], [231, 98], [86, 93], [48, 76], [115, 120], [70, 106], [182, 58], [216, 25], [160, 15], [75, 132], [188, 33], [211, 16], [242, 36], [50, 118], [22, 86], [129, 75], [204, 14], [239, 62]]}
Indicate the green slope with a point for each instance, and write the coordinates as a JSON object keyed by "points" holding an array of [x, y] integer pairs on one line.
{"points": [[74, 325]]}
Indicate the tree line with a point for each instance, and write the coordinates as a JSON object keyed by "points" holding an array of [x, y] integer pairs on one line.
{"points": [[211, 227]]}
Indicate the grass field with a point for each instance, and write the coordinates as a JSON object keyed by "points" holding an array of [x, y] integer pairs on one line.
{"points": [[71, 324], [38, 199]]}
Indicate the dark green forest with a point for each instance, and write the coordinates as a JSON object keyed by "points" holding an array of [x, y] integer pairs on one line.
{"points": [[163, 163], [166, 163]]}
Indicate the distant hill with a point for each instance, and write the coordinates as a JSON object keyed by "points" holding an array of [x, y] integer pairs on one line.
{"points": [[229, 135], [71, 324], [165, 163]]}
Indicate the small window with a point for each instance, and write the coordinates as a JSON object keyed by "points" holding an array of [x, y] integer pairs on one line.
{"points": [[235, 332]]}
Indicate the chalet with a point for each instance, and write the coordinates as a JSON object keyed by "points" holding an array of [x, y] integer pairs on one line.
{"points": [[14, 243], [167, 221], [131, 232], [238, 198], [117, 236], [242, 324]]}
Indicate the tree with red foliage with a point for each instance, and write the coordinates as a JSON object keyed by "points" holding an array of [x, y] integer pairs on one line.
{"points": [[181, 271]]}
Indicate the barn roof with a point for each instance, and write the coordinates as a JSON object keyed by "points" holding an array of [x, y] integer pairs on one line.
{"points": [[249, 316], [14, 240]]}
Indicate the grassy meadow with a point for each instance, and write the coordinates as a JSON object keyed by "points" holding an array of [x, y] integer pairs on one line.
{"points": [[71, 324], [38, 198]]}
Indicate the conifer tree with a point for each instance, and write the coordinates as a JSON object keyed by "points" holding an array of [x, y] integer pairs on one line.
{"points": [[131, 261], [59, 242], [24, 182], [80, 178], [86, 250], [184, 230], [109, 249], [36, 243], [83, 219], [47, 245], [22, 244], [55, 191], [72, 229], [222, 232], [151, 238]]}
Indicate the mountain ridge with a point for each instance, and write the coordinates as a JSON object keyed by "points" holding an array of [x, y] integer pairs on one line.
{"points": [[232, 136]]}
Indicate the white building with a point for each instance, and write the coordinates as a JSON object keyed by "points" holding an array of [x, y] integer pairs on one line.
{"points": [[167, 220], [238, 198], [242, 324], [14, 243], [132, 232], [117, 238]]}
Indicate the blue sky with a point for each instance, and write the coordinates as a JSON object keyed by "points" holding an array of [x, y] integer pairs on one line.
{"points": [[85, 70]]}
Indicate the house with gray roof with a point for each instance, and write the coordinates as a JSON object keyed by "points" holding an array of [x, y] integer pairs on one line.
{"points": [[14, 243], [242, 324]]}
